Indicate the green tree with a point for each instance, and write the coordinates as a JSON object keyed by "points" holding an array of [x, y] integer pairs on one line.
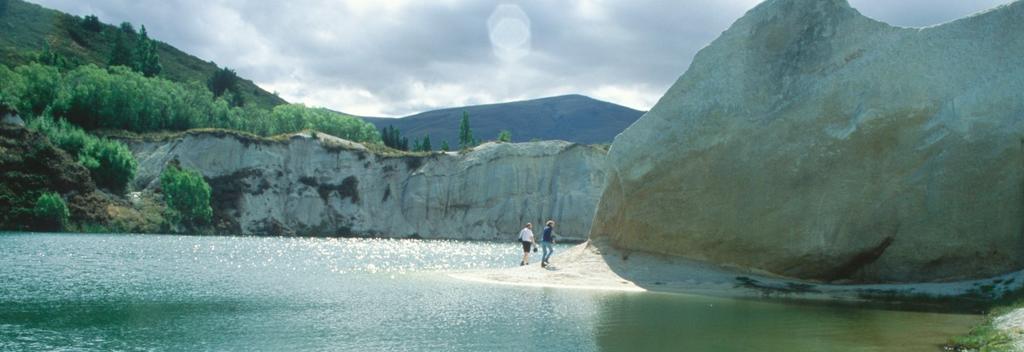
{"points": [[222, 80], [127, 28], [444, 145], [11, 88], [465, 132], [110, 163], [187, 195], [392, 137], [40, 87], [425, 145], [505, 136], [120, 55], [146, 59], [50, 212], [92, 23]]}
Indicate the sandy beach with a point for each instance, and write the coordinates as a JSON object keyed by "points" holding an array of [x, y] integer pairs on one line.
{"points": [[593, 267]]}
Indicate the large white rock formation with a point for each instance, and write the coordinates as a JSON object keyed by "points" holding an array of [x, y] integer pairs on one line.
{"points": [[812, 142], [328, 186]]}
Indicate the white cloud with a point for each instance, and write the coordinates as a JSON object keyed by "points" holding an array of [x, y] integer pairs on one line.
{"points": [[394, 58]]}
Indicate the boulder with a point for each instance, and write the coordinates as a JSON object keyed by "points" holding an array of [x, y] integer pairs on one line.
{"points": [[812, 142]]}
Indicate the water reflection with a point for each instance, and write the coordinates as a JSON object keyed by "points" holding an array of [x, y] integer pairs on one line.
{"points": [[659, 322]]}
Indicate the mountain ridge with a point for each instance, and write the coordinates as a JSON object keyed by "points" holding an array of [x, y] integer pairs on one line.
{"points": [[563, 117]]}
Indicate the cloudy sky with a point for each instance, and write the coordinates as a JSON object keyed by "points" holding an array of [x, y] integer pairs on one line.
{"points": [[398, 57]]}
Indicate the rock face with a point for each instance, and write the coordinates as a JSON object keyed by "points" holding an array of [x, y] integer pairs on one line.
{"points": [[327, 186], [812, 142]]}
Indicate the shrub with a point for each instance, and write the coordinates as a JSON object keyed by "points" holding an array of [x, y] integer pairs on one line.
{"points": [[50, 212], [505, 136], [187, 195], [40, 86], [110, 163], [62, 134]]}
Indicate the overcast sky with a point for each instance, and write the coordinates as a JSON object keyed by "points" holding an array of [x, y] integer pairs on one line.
{"points": [[395, 58]]}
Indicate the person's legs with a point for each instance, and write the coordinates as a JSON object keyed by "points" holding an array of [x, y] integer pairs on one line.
{"points": [[526, 253], [548, 251]]}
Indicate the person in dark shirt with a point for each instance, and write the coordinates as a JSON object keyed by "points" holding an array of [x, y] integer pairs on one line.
{"points": [[547, 243]]}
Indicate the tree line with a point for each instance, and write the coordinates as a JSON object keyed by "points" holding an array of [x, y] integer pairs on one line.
{"points": [[392, 137], [121, 98]]}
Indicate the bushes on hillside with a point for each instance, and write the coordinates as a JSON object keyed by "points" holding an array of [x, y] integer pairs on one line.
{"points": [[39, 85], [119, 98], [110, 163], [51, 213], [187, 196]]}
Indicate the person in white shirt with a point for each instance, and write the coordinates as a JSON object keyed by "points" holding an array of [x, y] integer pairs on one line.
{"points": [[526, 237]]}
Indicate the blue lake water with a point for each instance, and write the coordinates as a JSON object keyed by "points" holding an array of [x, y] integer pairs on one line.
{"points": [[84, 292]]}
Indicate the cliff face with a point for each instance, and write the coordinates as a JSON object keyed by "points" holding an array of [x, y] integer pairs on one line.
{"points": [[812, 142], [327, 186]]}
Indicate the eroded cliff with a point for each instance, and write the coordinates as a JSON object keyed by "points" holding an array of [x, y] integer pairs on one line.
{"points": [[321, 185]]}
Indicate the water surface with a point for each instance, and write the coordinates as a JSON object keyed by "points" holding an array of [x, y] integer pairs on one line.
{"points": [[147, 292]]}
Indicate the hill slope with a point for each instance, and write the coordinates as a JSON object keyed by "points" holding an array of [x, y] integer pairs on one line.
{"points": [[573, 118], [25, 27]]}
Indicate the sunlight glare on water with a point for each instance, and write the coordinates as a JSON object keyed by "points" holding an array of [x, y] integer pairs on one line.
{"points": [[147, 292]]}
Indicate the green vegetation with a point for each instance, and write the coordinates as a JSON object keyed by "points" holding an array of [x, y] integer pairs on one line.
{"points": [[985, 337], [466, 139], [119, 98], [444, 145], [110, 163], [392, 138], [422, 145], [505, 136], [145, 59], [29, 31], [50, 212], [92, 23], [187, 196], [222, 80]]}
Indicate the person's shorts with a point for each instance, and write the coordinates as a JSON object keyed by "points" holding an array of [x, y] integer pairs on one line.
{"points": [[526, 246]]}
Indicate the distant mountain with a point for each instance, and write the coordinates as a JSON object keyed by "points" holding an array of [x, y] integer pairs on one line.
{"points": [[26, 28], [573, 118]]}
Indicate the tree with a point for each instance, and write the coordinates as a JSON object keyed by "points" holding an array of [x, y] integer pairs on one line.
{"points": [[127, 28], [504, 136], [425, 145], [120, 55], [444, 145], [465, 132], [392, 137], [50, 212], [187, 195], [92, 23], [51, 58], [222, 80], [146, 59]]}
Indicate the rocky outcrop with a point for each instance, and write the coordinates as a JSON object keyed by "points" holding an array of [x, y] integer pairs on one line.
{"points": [[812, 142], [323, 185]]}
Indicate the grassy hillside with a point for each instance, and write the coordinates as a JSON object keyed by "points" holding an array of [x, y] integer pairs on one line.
{"points": [[573, 118], [26, 28]]}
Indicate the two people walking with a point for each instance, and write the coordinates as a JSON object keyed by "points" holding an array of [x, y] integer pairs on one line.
{"points": [[547, 242]]}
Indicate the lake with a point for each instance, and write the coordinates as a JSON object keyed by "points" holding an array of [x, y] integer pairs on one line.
{"points": [[88, 292]]}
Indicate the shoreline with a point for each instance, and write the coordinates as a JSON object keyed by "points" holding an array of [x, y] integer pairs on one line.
{"points": [[586, 266]]}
